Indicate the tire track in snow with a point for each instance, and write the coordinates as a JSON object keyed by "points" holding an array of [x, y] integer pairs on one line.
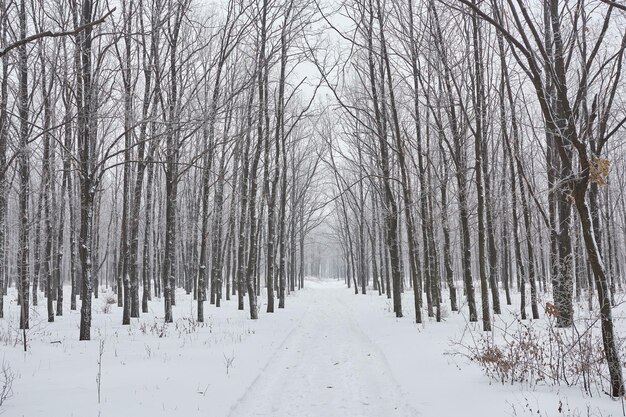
{"points": [[328, 367]]}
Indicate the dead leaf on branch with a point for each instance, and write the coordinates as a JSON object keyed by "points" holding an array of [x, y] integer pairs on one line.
{"points": [[599, 170], [551, 310]]}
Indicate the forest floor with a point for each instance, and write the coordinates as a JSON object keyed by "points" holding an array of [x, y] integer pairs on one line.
{"points": [[329, 353]]}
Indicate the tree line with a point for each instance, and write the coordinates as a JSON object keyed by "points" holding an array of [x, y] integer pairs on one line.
{"points": [[153, 145], [482, 143]]}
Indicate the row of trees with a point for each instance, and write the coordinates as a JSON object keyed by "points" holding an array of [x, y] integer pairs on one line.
{"points": [[476, 142], [157, 145]]}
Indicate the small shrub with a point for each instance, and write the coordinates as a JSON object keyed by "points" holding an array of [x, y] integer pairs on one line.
{"points": [[228, 362], [526, 352], [109, 301], [6, 383], [159, 329]]}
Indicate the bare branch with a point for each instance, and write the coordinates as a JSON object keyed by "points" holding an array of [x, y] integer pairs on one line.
{"points": [[50, 34]]}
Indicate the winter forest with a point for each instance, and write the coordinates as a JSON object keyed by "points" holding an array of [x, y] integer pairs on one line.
{"points": [[291, 208]]}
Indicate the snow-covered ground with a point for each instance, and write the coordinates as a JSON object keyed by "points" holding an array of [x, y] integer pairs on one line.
{"points": [[330, 353]]}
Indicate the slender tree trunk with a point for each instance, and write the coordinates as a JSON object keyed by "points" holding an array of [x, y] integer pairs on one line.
{"points": [[262, 132], [49, 190], [86, 142], [24, 175], [529, 244], [243, 241], [168, 271], [478, 170], [216, 250], [147, 272], [4, 85], [460, 164], [445, 225], [231, 262], [595, 260]]}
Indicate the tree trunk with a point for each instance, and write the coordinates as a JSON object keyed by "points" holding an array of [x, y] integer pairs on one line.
{"points": [[597, 266], [4, 85], [24, 175]]}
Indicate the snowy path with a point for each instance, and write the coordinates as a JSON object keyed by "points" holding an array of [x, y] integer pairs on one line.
{"points": [[328, 354], [326, 367]]}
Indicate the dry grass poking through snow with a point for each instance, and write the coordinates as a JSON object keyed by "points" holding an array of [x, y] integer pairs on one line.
{"points": [[536, 352]]}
